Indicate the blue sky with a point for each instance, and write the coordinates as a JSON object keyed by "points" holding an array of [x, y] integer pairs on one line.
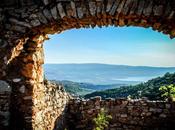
{"points": [[111, 45]]}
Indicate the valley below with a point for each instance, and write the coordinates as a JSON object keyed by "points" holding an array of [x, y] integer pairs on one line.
{"points": [[111, 81]]}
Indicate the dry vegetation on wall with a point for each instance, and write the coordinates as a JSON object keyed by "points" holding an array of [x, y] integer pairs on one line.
{"points": [[24, 25]]}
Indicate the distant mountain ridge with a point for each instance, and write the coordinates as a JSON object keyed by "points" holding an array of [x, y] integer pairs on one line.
{"points": [[104, 74]]}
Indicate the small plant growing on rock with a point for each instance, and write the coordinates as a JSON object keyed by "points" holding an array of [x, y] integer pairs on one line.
{"points": [[168, 92], [129, 97], [102, 120]]}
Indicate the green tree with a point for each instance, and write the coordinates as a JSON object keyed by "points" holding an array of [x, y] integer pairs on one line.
{"points": [[168, 92], [102, 120]]}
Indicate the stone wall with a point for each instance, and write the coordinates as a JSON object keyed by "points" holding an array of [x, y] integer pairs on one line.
{"points": [[24, 25], [25, 75], [53, 115], [126, 114], [49, 113], [57, 110], [5, 93]]}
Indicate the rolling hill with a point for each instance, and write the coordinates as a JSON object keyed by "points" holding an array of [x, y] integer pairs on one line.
{"points": [[149, 89], [81, 89]]}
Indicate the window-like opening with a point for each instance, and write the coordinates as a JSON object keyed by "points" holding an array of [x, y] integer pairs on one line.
{"points": [[128, 62]]}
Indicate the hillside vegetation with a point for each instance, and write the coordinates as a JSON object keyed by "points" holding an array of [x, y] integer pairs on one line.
{"points": [[81, 89], [75, 88], [149, 89]]}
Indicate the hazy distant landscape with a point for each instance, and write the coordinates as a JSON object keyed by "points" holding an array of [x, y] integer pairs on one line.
{"points": [[103, 74], [83, 79]]}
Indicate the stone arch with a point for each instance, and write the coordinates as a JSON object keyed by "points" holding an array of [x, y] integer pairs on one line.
{"points": [[26, 23], [32, 18]]}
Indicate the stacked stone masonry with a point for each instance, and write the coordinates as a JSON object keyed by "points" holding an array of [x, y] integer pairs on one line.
{"points": [[126, 114], [25, 24], [56, 100], [5, 94]]}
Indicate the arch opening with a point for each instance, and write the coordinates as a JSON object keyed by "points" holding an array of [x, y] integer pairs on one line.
{"points": [[94, 56]]}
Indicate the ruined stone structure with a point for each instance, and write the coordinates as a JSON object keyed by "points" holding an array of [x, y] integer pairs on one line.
{"points": [[51, 115], [126, 114], [24, 25]]}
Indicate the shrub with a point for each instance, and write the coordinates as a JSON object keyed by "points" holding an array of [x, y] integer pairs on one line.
{"points": [[102, 120], [168, 92]]}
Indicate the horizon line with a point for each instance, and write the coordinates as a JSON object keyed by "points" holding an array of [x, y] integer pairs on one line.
{"points": [[117, 65]]}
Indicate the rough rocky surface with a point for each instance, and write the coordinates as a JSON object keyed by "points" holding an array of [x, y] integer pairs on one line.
{"points": [[126, 114], [24, 25], [5, 93], [55, 101]]}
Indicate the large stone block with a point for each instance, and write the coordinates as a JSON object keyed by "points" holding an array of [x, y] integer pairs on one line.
{"points": [[4, 87]]}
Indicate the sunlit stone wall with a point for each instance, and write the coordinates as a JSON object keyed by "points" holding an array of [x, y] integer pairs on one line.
{"points": [[126, 114]]}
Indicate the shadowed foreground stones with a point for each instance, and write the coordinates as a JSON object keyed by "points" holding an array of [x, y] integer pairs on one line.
{"points": [[5, 92]]}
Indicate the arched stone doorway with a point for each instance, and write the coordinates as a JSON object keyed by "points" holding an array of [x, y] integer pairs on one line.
{"points": [[25, 25]]}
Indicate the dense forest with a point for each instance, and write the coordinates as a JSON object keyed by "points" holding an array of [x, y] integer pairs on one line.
{"points": [[149, 89]]}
